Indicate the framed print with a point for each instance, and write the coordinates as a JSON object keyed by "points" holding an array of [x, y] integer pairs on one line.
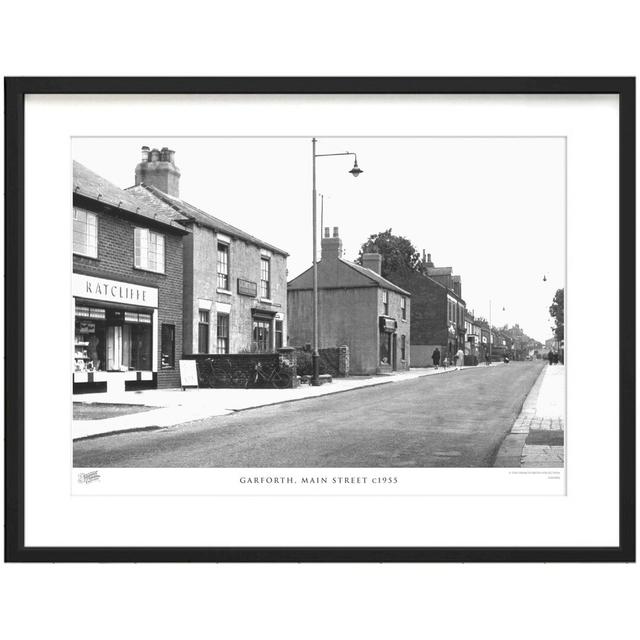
{"points": [[320, 319]]}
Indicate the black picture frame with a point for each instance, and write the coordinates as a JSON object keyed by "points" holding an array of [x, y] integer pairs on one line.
{"points": [[15, 91]]}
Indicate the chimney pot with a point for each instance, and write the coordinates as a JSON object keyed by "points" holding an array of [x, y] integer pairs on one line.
{"points": [[157, 169], [326, 232], [335, 232]]}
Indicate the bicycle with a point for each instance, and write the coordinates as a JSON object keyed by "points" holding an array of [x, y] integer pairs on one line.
{"points": [[276, 377]]}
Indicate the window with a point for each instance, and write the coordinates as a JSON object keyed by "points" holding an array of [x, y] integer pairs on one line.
{"points": [[385, 302], [223, 266], [265, 277], [403, 347], [203, 331], [278, 334], [261, 341], [168, 347], [149, 250], [403, 306], [222, 341], [85, 233]]}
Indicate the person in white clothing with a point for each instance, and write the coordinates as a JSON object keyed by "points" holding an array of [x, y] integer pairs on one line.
{"points": [[459, 359]]}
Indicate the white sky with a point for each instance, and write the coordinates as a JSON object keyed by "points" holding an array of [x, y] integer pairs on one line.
{"points": [[492, 208]]}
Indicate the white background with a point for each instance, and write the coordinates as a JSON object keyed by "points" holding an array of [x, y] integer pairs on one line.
{"points": [[490, 38]]}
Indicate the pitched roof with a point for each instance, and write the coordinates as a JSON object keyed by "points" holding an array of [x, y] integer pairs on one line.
{"points": [[439, 271], [202, 217], [376, 277], [90, 185], [302, 281]]}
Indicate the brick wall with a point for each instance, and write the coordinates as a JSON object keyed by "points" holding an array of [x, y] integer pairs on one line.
{"points": [[333, 360], [115, 261], [233, 370]]}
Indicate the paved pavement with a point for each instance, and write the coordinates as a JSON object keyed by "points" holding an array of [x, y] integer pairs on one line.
{"points": [[175, 406], [537, 436], [457, 419]]}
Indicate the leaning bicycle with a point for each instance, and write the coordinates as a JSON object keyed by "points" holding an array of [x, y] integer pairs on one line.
{"points": [[275, 377]]}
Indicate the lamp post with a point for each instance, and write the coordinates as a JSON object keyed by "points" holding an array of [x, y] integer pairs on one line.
{"points": [[355, 172]]}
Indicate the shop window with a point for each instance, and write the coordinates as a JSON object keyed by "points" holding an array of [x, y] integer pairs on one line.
{"points": [[85, 233], [168, 347], [278, 332], [385, 302], [403, 307], [203, 331], [112, 340], [385, 347], [403, 347], [261, 339], [223, 266], [265, 277], [149, 250], [222, 340]]}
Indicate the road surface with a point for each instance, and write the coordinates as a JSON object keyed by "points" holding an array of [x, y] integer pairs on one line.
{"points": [[457, 419]]}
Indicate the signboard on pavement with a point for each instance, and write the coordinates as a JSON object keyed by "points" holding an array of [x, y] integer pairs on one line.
{"points": [[188, 373]]}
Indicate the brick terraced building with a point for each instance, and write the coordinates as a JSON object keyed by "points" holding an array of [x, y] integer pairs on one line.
{"points": [[127, 288], [437, 311]]}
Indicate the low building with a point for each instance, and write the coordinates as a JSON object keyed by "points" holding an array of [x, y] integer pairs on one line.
{"points": [[126, 286], [357, 307], [235, 285], [438, 311]]}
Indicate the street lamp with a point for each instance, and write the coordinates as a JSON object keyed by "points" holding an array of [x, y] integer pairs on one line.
{"points": [[355, 172]]}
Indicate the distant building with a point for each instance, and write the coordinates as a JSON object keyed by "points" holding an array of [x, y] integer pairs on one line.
{"points": [[127, 288], [357, 307], [438, 311], [235, 285]]}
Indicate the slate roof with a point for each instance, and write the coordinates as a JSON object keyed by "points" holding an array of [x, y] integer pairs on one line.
{"points": [[91, 185], [202, 217], [376, 277]]}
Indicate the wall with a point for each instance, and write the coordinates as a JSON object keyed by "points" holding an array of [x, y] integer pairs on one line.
{"points": [[346, 316], [244, 263], [404, 326], [234, 370], [116, 259]]}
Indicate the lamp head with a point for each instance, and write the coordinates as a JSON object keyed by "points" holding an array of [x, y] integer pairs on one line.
{"points": [[356, 171]]}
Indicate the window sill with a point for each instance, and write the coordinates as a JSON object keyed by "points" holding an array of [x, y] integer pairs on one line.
{"points": [[226, 292], [85, 255], [266, 300], [158, 273]]}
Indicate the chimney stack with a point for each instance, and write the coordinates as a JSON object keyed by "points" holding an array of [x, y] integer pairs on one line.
{"points": [[429, 263], [158, 169], [331, 248], [372, 261]]}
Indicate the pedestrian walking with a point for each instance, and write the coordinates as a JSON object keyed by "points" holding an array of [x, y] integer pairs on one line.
{"points": [[556, 357], [445, 362], [435, 356], [460, 359], [487, 358], [550, 357]]}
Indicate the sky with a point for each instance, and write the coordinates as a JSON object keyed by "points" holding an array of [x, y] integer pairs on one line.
{"points": [[491, 208]]}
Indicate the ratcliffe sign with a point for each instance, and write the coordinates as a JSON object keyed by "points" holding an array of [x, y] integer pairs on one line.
{"points": [[93, 288]]}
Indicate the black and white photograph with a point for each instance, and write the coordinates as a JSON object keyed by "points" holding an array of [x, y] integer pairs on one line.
{"points": [[368, 302]]}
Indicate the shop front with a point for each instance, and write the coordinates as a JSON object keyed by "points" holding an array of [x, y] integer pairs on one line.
{"points": [[115, 335]]}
